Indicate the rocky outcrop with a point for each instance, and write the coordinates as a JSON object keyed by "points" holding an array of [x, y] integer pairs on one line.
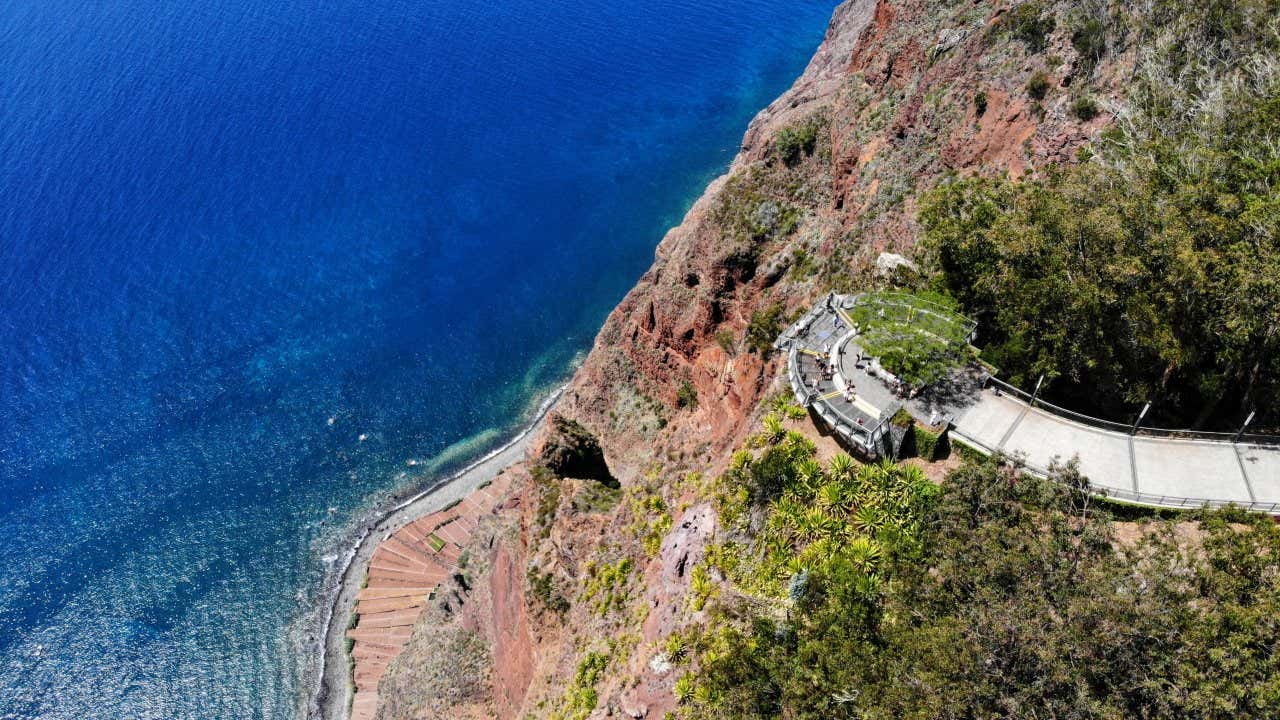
{"points": [[570, 450]]}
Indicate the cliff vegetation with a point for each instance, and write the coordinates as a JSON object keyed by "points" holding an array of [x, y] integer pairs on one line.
{"points": [[1095, 182]]}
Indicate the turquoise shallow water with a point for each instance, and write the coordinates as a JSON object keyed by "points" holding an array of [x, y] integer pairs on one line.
{"points": [[261, 262]]}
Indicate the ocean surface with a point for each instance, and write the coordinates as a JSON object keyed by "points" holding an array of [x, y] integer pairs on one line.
{"points": [[265, 262]]}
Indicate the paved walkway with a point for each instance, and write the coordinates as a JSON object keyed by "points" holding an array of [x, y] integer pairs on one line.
{"points": [[1166, 472]]}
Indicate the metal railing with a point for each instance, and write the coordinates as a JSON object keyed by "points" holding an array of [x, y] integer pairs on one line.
{"points": [[1136, 497], [866, 437], [1129, 428]]}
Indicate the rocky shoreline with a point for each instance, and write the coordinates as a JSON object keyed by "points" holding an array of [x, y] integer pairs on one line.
{"points": [[332, 697]]}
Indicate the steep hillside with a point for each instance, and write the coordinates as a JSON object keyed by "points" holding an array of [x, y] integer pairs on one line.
{"points": [[581, 586]]}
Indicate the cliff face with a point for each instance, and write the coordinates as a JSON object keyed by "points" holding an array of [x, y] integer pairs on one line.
{"points": [[580, 584]]}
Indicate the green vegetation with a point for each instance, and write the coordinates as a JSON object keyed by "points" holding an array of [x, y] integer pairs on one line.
{"points": [[1151, 273], [980, 103], [750, 214], [595, 498], [436, 543], [798, 141], [765, 203], [687, 395], [1084, 108], [764, 328], [606, 584], [822, 522], [784, 405], [928, 445], [1038, 85], [548, 499], [876, 594], [543, 588], [803, 264], [651, 519], [916, 337], [1090, 41], [581, 697], [725, 339], [1030, 22]]}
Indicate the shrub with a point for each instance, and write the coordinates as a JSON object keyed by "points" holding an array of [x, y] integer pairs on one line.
{"points": [[543, 590], [1085, 108], [1038, 85], [798, 141], [548, 492], [929, 446], [1001, 596], [580, 696], [980, 103], [1031, 24], [803, 264], [1090, 42], [606, 586], [687, 395], [765, 327], [726, 341]]}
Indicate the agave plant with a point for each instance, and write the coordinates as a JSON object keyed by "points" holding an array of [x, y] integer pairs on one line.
{"points": [[841, 467], [863, 553], [815, 524], [868, 584], [797, 566], [701, 587], [868, 518], [775, 543], [832, 497], [685, 687], [820, 552], [788, 511], [809, 472], [792, 411], [774, 431]]}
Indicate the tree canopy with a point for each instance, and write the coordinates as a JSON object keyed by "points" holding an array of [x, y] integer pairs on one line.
{"points": [[1150, 271], [868, 592]]}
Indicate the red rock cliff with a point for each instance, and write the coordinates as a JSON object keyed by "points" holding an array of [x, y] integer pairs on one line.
{"points": [[899, 95]]}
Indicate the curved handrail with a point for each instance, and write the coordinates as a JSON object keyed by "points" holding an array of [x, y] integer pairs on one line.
{"points": [[866, 436], [1128, 429], [1174, 502]]}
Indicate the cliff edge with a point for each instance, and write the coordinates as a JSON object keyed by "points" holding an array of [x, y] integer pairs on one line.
{"points": [[573, 587]]}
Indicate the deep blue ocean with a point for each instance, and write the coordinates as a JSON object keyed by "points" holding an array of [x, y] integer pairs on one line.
{"points": [[265, 262]]}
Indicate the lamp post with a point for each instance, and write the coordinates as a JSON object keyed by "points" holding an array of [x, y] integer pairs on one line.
{"points": [[1036, 393], [1247, 420], [1136, 423]]}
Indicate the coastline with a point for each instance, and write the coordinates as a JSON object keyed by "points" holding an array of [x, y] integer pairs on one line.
{"points": [[331, 692]]}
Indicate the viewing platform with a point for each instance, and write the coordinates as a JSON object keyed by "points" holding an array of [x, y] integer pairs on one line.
{"points": [[834, 374]]}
